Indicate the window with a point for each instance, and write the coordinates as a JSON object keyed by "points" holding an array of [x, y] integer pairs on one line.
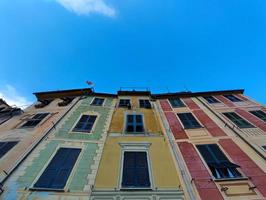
{"points": [[5, 147], [57, 172], [144, 103], [176, 103], [232, 98], [188, 120], [2, 108], [85, 123], [124, 103], [211, 99], [135, 170], [97, 102], [217, 162], [134, 124], [260, 114], [35, 120], [237, 120], [264, 147]]}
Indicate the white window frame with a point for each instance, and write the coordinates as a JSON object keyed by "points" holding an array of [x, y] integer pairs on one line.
{"points": [[125, 123], [93, 127], [135, 147]]}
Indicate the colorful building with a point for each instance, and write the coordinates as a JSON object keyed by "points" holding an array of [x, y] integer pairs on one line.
{"points": [[219, 138], [134, 145], [137, 161], [21, 134]]}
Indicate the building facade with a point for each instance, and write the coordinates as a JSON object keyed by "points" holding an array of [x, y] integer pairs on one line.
{"points": [[79, 144], [220, 137], [136, 161], [65, 161]]}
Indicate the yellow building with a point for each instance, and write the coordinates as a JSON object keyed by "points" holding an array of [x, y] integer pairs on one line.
{"points": [[136, 159]]}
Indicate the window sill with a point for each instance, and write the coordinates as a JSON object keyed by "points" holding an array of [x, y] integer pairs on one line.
{"points": [[230, 179]]}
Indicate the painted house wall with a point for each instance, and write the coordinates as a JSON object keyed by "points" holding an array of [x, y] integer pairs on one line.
{"points": [[27, 137], [164, 175], [256, 136], [213, 131], [163, 168], [83, 174], [118, 121]]}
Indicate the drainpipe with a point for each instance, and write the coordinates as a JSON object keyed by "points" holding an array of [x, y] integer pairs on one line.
{"points": [[37, 143], [231, 128], [177, 154]]}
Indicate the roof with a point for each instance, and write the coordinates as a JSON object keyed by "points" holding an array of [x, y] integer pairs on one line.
{"points": [[195, 94], [90, 92]]}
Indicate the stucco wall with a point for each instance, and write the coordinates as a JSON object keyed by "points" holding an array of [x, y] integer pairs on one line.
{"points": [[163, 169]]}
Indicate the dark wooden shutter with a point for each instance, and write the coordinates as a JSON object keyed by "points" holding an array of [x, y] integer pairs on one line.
{"points": [[237, 120], [57, 172], [135, 170], [5, 147], [188, 120]]}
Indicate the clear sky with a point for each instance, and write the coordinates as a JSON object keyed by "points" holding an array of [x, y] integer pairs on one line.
{"points": [[174, 45]]}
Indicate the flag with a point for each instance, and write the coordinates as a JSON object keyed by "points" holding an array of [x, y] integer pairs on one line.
{"points": [[90, 83]]}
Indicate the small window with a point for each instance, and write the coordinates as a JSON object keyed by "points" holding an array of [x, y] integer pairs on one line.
{"points": [[97, 102], [188, 120], [85, 123], [144, 103], [217, 162], [260, 114], [134, 124], [232, 98], [57, 172], [237, 120], [264, 147], [211, 99], [176, 102], [135, 170], [5, 147], [124, 103], [2, 108], [35, 120]]}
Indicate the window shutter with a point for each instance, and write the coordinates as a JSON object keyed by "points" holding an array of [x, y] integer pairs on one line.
{"points": [[135, 170], [142, 170], [5, 147], [188, 120], [57, 172], [204, 151], [128, 169]]}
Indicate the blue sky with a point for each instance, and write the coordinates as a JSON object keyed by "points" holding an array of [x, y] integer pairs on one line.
{"points": [[173, 45]]}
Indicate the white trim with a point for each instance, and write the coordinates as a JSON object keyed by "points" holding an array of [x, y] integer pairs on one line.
{"points": [[135, 147]]}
